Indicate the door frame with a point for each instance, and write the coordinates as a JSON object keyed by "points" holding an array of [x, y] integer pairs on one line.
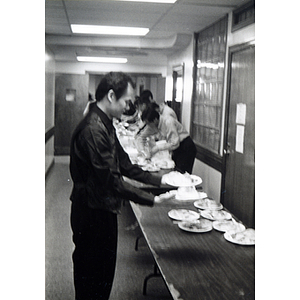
{"points": [[177, 71], [231, 51]]}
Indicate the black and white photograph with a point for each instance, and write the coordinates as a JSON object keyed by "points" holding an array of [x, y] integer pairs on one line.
{"points": [[149, 150], [154, 111]]}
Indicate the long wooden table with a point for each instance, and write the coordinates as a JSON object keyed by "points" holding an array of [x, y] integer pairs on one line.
{"points": [[196, 266]]}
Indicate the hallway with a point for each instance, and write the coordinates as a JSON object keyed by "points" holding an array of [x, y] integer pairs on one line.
{"points": [[132, 266]]}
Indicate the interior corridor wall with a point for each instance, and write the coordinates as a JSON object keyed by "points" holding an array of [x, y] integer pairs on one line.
{"points": [[49, 106], [185, 57], [68, 112], [211, 177]]}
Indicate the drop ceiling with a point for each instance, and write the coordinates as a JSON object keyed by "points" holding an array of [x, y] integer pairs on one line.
{"points": [[171, 26]]}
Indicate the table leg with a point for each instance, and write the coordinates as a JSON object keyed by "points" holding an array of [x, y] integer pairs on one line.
{"points": [[155, 274], [137, 242]]}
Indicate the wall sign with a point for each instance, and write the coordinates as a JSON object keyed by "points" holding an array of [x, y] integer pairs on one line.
{"points": [[239, 139], [241, 113], [70, 95]]}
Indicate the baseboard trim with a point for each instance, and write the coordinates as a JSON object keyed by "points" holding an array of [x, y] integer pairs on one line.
{"points": [[49, 168]]}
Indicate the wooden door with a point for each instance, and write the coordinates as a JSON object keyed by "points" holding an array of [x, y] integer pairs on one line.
{"points": [[239, 147]]}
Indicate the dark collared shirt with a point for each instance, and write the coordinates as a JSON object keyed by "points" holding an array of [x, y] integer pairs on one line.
{"points": [[97, 163]]}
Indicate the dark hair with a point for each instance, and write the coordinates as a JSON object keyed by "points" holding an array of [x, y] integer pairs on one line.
{"points": [[147, 95], [131, 110], [151, 113], [140, 101], [136, 102], [116, 81]]}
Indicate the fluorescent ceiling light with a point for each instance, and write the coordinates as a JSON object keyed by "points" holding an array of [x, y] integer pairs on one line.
{"points": [[102, 59], [116, 30], [153, 1]]}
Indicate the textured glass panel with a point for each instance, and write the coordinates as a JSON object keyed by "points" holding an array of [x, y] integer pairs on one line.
{"points": [[209, 85]]}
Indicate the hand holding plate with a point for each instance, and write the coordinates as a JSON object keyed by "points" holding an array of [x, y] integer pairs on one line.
{"points": [[163, 197]]}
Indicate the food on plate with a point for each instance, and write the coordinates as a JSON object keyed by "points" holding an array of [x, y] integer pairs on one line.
{"points": [[209, 204], [150, 168], [227, 225], [196, 226], [201, 224], [165, 164], [162, 197], [176, 178], [162, 155], [179, 178], [216, 215], [183, 214], [166, 196], [141, 161], [187, 193], [220, 214], [202, 195], [246, 237]]}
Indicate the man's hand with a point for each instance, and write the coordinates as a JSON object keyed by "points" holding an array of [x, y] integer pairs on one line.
{"points": [[154, 150], [163, 179], [163, 197]]}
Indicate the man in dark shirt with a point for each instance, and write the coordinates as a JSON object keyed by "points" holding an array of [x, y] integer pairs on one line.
{"points": [[97, 164]]}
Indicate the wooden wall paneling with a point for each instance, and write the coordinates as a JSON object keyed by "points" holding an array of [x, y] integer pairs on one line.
{"points": [[68, 113]]}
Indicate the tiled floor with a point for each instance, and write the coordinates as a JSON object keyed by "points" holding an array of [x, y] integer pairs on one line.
{"points": [[132, 266]]}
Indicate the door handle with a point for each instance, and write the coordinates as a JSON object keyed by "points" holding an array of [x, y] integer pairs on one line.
{"points": [[227, 150]]}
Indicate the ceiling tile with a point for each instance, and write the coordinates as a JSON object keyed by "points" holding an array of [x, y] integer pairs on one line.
{"points": [[167, 22]]}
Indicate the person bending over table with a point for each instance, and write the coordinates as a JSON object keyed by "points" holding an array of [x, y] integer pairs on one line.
{"points": [[177, 138], [97, 164], [144, 101]]}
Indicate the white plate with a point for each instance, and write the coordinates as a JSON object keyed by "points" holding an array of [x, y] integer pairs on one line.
{"points": [[227, 225], [141, 163], [202, 195], [197, 226], [170, 167], [208, 204], [186, 198], [150, 168], [177, 179], [246, 237], [215, 215], [187, 193], [183, 215], [165, 165], [175, 193]]}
